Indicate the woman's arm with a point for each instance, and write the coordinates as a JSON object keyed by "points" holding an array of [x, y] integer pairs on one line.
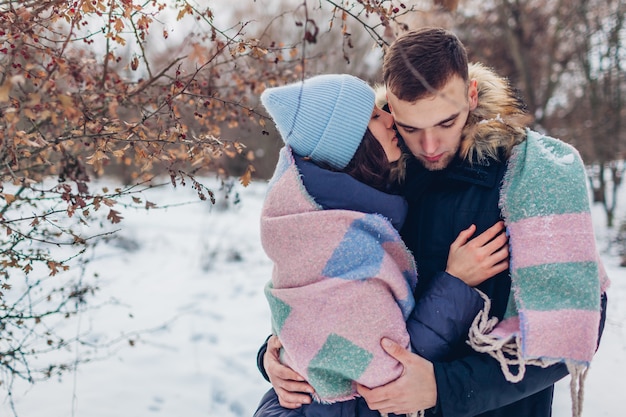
{"points": [[448, 305], [442, 317], [452, 301]]}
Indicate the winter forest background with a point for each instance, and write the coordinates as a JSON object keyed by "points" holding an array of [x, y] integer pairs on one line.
{"points": [[134, 155]]}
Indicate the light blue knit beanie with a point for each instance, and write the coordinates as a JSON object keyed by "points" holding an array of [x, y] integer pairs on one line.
{"points": [[323, 117]]}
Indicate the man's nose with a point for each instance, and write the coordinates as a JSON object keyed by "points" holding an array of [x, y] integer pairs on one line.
{"points": [[429, 142]]}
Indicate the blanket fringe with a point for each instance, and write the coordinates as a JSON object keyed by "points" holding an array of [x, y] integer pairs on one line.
{"points": [[508, 353], [578, 374]]}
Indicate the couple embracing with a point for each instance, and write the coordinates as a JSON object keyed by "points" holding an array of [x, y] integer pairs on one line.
{"points": [[431, 253]]}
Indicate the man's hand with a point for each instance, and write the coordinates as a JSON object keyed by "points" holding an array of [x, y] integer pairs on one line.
{"points": [[290, 387], [415, 389]]}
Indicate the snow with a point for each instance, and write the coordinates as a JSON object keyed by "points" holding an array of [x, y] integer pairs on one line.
{"points": [[186, 285]]}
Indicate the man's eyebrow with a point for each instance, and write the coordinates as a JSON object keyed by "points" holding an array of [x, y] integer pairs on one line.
{"points": [[405, 126], [444, 121]]}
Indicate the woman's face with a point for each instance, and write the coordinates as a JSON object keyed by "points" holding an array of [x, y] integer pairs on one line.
{"points": [[381, 126]]}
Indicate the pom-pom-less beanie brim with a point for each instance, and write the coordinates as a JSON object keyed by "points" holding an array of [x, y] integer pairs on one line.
{"points": [[323, 117]]}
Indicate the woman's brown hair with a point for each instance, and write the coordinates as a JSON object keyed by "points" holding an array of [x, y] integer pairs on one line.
{"points": [[370, 165]]}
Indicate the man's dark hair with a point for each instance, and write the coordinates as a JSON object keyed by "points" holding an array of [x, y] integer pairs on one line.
{"points": [[422, 61]]}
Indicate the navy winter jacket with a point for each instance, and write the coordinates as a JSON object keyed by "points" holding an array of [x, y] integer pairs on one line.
{"points": [[437, 326], [441, 204]]}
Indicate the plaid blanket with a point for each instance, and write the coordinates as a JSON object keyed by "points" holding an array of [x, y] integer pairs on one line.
{"points": [[342, 280]]}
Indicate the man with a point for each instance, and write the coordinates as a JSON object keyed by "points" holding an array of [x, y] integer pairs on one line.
{"points": [[461, 131]]}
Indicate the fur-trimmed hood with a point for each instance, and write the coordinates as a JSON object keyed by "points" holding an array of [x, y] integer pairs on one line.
{"points": [[498, 122]]}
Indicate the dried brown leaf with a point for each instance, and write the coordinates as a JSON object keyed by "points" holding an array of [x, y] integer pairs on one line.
{"points": [[114, 216]]}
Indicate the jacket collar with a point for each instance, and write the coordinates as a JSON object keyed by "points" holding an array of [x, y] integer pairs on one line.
{"points": [[485, 173]]}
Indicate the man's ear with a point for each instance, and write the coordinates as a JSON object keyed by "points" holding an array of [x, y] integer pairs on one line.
{"points": [[472, 94]]}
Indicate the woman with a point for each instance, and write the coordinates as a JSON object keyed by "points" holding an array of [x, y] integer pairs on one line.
{"points": [[343, 279]]}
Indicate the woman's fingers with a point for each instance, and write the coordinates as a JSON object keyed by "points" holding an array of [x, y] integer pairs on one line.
{"points": [[291, 388], [487, 236], [463, 237], [474, 260]]}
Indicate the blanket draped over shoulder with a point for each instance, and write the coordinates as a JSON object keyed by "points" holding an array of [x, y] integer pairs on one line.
{"points": [[342, 280], [557, 278]]}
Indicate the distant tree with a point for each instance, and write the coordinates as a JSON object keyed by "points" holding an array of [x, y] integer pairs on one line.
{"points": [[600, 114], [566, 57], [593, 111]]}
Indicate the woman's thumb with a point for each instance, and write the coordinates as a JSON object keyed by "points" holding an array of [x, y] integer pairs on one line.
{"points": [[393, 349]]}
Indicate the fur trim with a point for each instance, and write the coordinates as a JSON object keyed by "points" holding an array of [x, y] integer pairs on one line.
{"points": [[498, 122], [381, 95]]}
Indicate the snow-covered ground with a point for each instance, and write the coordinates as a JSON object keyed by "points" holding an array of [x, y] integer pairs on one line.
{"points": [[187, 286]]}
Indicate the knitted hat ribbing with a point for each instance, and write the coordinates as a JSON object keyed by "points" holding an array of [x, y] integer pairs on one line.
{"points": [[323, 117]]}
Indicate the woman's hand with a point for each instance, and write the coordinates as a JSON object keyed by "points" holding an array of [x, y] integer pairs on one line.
{"points": [[415, 389], [291, 388], [474, 261]]}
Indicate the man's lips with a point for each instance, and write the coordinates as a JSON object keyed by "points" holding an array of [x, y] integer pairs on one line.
{"points": [[433, 158]]}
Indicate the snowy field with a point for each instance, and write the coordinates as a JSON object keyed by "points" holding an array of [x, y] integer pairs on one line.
{"points": [[186, 284]]}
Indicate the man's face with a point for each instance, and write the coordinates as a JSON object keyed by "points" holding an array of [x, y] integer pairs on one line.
{"points": [[431, 127]]}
